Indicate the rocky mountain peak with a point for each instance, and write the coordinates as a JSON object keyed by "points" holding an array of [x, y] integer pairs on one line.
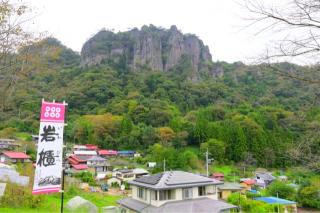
{"points": [[153, 47]]}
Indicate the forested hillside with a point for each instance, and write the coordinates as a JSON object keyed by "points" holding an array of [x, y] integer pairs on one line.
{"points": [[247, 114]]}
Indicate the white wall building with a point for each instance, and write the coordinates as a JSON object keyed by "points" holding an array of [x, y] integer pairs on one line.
{"points": [[174, 191]]}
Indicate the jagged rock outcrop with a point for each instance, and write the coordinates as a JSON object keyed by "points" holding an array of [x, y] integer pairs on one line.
{"points": [[156, 48]]}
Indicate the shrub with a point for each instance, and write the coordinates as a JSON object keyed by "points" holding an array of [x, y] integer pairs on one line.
{"points": [[17, 196], [282, 190]]}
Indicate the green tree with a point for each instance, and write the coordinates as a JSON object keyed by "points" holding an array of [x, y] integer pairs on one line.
{"points": [[216, 148], [282, 190]]}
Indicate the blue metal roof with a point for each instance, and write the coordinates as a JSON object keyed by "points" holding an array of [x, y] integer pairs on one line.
{"points": [[126, 152], [274, 200]]}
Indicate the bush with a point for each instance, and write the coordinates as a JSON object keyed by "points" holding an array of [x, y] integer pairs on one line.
{"points": [[248, 205], [17, 196], [282, 190], [87, 177], [115, 184]]}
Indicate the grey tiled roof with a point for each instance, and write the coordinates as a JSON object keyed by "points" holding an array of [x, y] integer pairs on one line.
{"points": [[132, 204], [173, 179], [152, 179], [231, 186], [201, 205], [83, 157], [96, 158], [265, 176]]}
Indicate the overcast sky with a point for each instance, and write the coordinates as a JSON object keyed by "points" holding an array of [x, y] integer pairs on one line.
{"points": [[218, 23]]}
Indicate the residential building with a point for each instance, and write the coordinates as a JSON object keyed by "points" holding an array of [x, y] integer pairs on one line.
{"points": [[85, 152], [14, 157], [78, 162], [218, 176], [247, 183], [126, 153], [7, 144], [99, 164], [263, 179], [129, 174], [107, 153], [174, 191], [226, 189]]}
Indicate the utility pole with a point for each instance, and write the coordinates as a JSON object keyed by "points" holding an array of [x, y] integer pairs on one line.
{"points": [[278, 203], [207, 163], [164, 164]]}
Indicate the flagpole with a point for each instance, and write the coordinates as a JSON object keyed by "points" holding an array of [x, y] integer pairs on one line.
{"points": [[63, 164], [62, 189]]}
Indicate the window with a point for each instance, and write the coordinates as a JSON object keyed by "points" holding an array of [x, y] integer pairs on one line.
{"points": [[141, 193], [154, 195], [166, 194], [187, 193], [201, 190]]}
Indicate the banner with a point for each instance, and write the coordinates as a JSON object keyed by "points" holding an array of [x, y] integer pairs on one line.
{"points": [[48, 173]]}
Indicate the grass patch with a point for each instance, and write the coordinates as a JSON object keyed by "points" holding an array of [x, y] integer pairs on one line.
{"points": [[231, 173], [53, 201]]}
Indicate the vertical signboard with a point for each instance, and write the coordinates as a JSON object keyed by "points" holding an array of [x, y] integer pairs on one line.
{"points": [[48, 173]]}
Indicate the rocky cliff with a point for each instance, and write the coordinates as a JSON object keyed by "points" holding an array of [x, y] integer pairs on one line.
{"points": [[152, 47]]}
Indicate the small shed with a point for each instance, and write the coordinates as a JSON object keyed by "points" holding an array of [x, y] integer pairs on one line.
{"points": [[14, 157], [218, 176], [225, 190], [289, 205]]}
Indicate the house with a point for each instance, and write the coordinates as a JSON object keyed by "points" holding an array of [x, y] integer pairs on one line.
{"points": [[85, 152], [78, 162], [79, 148], [78, 159], [263, 179], [218, 176], [129, 174], [226, 189], [14, 157], [290, 206], [107, 153], [8, 144], [78, 167], [174, 191], [247, 183], [99, 164], [91, 147], [126, 153], [85, 147], [139, 172]]}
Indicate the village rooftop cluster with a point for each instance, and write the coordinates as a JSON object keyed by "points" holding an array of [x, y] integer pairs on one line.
{"points": [[145, 192]]}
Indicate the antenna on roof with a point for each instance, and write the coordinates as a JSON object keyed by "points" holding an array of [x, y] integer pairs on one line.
{"points": [[164, 164]]}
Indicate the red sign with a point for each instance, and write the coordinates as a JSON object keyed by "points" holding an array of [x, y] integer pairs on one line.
{"points": [[53, 112]]}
